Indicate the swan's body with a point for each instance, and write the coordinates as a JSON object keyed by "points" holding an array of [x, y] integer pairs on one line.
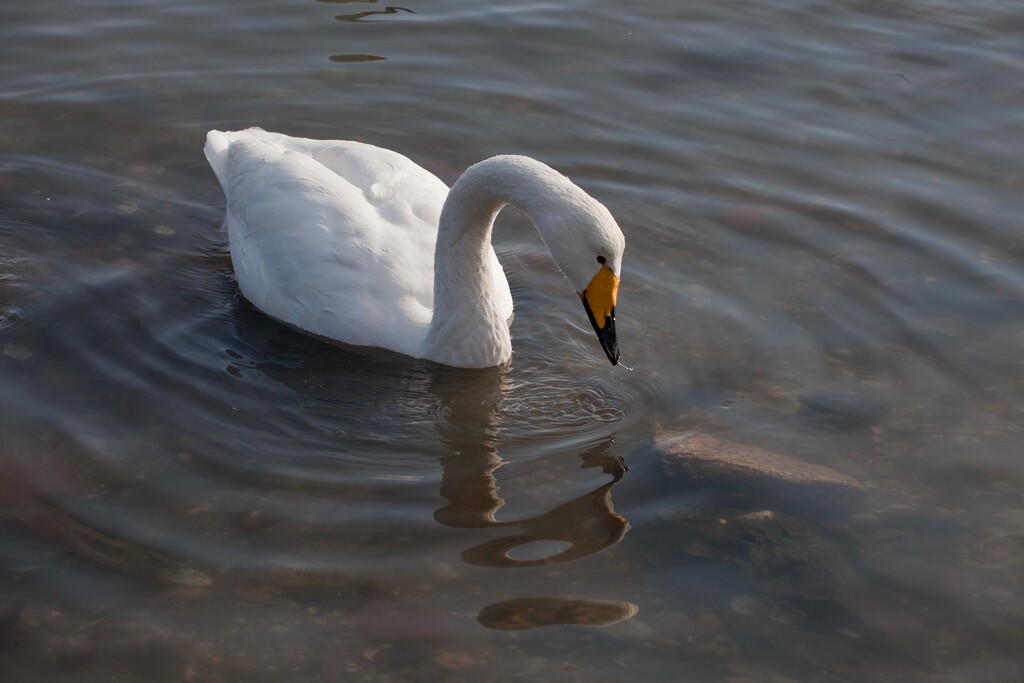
{"points": [[356, 243]]}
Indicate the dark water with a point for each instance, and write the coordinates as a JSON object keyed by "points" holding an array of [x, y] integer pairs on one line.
{"points": [[823, 209]]}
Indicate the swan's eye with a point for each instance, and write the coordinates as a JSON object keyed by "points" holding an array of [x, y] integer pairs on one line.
{"points": [[601, 260]]}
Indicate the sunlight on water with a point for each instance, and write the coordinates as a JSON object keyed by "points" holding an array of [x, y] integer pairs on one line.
{"points": [[809, 470]]}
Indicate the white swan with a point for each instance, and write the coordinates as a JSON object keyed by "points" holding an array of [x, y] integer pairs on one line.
{"points": [[358, 244]]}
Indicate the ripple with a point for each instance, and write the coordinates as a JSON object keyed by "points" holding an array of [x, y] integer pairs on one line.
{"points": [[11, 317], [547, 402], [822, 208], [213, 421]]}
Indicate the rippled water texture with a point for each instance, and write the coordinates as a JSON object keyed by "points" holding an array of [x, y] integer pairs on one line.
{"points": [[823, 209]]}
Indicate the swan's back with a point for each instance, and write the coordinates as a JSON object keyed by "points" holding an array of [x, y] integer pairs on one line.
{"points": [[333, 237]]}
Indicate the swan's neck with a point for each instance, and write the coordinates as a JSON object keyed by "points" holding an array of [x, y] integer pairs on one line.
{"points": [[469, 327]]}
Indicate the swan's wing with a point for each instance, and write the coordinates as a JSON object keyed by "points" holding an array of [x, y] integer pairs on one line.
{"points": [[346, 257], [388, 176], [399, 189]]}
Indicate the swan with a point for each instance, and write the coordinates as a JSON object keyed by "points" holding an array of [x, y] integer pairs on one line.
{"points": [[358, 244]]}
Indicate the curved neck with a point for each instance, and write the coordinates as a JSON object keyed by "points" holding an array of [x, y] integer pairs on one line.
{"points": [[469, 327]]}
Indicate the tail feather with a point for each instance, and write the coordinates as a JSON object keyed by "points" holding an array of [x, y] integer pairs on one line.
{"points": [[216, 149]]}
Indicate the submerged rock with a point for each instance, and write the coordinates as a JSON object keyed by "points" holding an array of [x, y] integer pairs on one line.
{"points": [[844, 411], [779, 480], [781, 557], [526, 613]]}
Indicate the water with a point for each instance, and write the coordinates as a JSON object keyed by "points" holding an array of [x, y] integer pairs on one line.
{"points": [[822, 203]]}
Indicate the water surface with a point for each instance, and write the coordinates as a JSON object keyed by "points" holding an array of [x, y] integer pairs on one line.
{"points": [[822, 203]]}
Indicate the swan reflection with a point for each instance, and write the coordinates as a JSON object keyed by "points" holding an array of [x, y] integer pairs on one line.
{"points": [[363, 407], [359, 16], [588, 524], [572, 530]]}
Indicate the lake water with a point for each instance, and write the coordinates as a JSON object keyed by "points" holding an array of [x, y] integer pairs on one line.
{"points": [[825, 260]]}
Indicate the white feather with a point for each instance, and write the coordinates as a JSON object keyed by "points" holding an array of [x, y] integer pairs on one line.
{"points": [[338, 238]]}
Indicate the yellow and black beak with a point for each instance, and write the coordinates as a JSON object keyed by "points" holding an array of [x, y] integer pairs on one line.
{"points": [[599, 302]]}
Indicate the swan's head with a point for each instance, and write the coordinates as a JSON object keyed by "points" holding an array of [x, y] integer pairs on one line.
{"points": [[587, 245]]}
